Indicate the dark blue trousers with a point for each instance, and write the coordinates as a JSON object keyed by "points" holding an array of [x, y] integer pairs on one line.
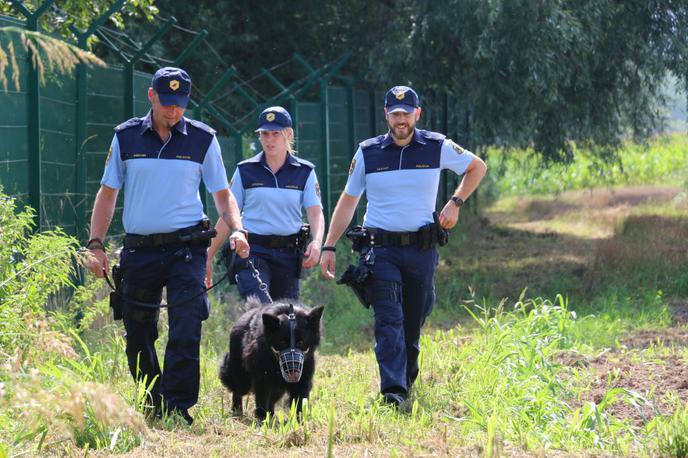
{"points": [[182, 270], [278, 268], [403, 293]]}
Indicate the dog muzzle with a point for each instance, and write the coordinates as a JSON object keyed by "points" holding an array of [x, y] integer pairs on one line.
{"points": [[291, 363], [291, 359]]}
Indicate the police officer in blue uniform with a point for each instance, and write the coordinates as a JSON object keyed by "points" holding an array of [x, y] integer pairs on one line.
{"points": [[272, 188], [160, 160], [400, 173]]}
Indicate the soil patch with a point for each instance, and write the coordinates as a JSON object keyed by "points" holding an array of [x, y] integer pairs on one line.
{"points": [[653, 379]]}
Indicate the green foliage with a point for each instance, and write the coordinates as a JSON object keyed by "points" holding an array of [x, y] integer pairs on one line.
{"points": [[662, 161], [81, 13], [32, 268], [47, 390], [49, 55], [672, 433], [542, 73]]}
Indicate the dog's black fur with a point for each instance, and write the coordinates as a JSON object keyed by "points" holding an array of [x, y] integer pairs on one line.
{"points": [[251, 364]]}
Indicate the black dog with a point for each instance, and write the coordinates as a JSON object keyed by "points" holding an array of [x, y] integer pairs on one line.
{"points": [[256, 341]]}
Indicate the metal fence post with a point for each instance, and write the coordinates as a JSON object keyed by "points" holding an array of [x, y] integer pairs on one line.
{"points": [[325, 147], [190, 48], [81, 118], [131, 63], [34, 119]]}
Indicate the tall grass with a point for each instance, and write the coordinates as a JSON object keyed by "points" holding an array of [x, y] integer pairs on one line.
{"points": [[662, 161]]}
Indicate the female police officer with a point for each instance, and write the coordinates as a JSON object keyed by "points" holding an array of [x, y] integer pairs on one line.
{"points": [[271, 188]]}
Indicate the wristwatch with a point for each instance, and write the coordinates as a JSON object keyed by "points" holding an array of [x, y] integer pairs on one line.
{"points": [[243, 231], [458, 201], [95, 244]]}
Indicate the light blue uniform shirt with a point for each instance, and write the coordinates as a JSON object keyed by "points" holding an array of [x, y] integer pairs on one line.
{"points": [[401, 182], [272, 203], [161, 179]]}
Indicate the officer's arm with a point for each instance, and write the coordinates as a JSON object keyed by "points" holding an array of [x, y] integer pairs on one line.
{"points": [[103, 209], [227, 207], [475, 172], [341, 217]]}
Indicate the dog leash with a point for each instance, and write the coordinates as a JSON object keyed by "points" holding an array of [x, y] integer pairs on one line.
{"points": [[230, 263], [261, 284]]}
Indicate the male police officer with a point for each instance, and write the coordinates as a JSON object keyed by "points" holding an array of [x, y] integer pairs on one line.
{"points": [[160, 160], [400, 173]]}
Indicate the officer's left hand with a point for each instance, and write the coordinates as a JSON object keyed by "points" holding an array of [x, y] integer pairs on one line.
{"points": [[238, 243], [312, 254], [449, 215]]}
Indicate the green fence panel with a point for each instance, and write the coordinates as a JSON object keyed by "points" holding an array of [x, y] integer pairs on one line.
{"points": [[340, 134], [58, 160], [105, 92], [14, 148]]}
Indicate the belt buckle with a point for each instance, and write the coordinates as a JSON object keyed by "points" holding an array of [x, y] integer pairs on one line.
{"points": [[405, 239], [157, 240]]}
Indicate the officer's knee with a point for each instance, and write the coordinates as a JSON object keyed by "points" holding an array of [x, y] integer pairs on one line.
{"points": [[385, 296]]}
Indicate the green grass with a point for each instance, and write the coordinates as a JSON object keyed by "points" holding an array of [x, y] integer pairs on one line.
{"points": [[529, 374], [663, 161]]}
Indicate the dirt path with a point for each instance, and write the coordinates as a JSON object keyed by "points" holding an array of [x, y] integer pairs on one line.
{"points": [[557, 244], [549, 244]]}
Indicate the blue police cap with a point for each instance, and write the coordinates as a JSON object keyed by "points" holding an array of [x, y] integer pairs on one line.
{"points": [[274, 118], [173, 86], [401, 98]]}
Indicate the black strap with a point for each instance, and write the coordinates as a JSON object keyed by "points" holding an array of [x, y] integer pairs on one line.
{"points": [[157, 306]]}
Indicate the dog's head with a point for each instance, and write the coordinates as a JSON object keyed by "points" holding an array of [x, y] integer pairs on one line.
{"points": [[306, 327]]}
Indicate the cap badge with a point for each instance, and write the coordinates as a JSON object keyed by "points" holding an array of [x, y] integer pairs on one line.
{"points": [[400, 93], [174, 85], [270, 117]]}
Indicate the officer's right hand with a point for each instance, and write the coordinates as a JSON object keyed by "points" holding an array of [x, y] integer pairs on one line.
{"points": [[328, 260], [97, 262], [239, 243]]}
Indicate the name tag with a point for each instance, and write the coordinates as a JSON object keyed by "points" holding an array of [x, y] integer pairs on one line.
{"points": [[179, 156]]}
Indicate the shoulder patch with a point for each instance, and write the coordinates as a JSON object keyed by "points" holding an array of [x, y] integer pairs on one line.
{"points": [[129, 123], [352, 166], [458, 148], [432, 135], [371, 141], [201, 126]]}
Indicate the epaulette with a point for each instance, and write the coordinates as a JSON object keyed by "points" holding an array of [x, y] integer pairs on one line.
{"points": [[432, 135], [129, 123], [252, 159], [371, 141], [304, 162], [200, 125]]}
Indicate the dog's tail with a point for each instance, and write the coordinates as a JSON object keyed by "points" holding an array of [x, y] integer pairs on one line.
{"points": [[226, 372]]}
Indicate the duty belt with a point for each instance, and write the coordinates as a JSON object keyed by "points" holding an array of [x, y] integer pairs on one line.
{"points": [[199, 234], [274, 241], [389, 238], [426, 237]]}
